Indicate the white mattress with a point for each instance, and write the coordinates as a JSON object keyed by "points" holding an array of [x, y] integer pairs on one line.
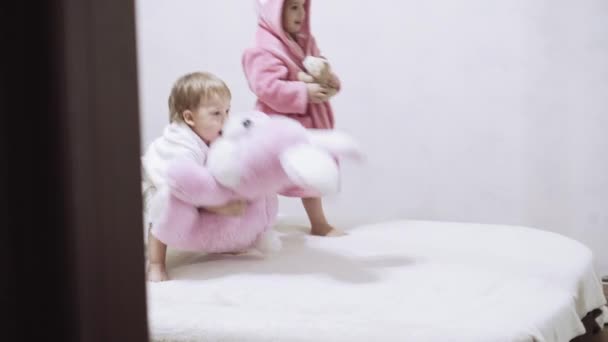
{"points": [[395, 281]]}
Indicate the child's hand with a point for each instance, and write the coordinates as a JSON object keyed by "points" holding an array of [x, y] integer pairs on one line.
{"points": [[306, 78], [232, 208], [317, 93]]}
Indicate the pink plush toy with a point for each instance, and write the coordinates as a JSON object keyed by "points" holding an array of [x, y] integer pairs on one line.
{"points": [[256, 158]]}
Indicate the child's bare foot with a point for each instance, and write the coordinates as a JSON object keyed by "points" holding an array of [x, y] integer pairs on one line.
{"points": [[157, 272], [325, 230]]}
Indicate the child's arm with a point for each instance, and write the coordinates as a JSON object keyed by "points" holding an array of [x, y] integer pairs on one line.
{"points": [[232, 208], [194, 184], [267, 78]]}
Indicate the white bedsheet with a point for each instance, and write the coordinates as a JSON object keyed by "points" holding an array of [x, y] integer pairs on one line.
{"points": [[395, 281]]}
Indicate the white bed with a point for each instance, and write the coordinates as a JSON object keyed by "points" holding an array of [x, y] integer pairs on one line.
{"points": [[395, 281]]}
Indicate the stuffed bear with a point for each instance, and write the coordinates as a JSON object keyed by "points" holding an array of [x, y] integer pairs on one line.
{"points": [[257, 157], [318, 70]]}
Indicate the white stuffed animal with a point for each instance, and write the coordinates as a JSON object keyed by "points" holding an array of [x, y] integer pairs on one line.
{"points": [[318, 70]]}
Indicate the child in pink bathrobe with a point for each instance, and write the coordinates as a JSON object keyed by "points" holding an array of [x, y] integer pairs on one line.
{"points": [[282, 41]]}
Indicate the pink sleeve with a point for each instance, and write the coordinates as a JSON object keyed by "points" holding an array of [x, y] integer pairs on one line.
{"points": [[267, 78], [194, 184]]}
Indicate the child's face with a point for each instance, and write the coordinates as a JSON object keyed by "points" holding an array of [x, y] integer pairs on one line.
{"points": [[294, 14], [208, 119]]}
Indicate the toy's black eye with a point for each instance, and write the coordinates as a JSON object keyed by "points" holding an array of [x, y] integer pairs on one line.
{"points": [[247, 123]]}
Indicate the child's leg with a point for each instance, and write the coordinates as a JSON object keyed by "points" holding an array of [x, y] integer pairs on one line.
{"points": [[318, 222], [157, 252]]}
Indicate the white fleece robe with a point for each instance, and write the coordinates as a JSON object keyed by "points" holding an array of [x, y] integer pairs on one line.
{"points": [[177, 141]]}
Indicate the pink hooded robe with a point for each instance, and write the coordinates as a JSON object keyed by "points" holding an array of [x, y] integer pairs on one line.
{"points": [[272, 66]]}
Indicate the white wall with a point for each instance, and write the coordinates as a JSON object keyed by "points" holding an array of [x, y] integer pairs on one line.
{"points": [[472, 110]]}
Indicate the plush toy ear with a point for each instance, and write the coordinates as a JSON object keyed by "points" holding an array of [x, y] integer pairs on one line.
{"points": [[224, 163], [314, 65], [325, 72], [311, 167], [337, 143]]}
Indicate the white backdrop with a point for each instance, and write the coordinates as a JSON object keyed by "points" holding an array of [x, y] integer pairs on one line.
{"points": [[475, 110]]}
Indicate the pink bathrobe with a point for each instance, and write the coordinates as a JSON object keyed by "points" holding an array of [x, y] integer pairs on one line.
{"points": [[272, 67]]}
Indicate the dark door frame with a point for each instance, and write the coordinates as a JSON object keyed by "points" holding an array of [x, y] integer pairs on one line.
{"points": [[71, 246]]}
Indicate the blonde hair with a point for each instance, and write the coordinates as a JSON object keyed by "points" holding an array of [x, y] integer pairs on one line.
{"points": [[192, 89]]}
